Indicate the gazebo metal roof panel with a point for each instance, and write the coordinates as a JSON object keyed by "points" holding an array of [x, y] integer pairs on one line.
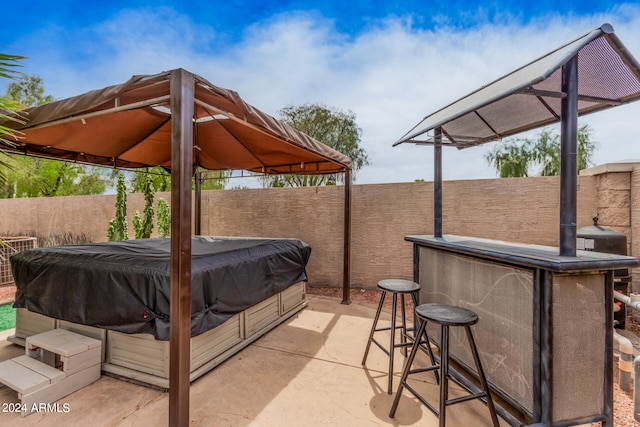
{"points": [[530, 97]]}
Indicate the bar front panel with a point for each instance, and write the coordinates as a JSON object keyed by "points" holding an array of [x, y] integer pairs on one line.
{"points": [[579, 333], [503, 298]]}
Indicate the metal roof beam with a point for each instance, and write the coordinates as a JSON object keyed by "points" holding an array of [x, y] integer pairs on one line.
{"points": [[554, 94]]}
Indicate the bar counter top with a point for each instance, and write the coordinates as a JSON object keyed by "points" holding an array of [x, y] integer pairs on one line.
{"points": [[527, 255]]}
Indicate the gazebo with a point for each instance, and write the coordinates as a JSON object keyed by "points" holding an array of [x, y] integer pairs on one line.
{"points": [[179, 121]]}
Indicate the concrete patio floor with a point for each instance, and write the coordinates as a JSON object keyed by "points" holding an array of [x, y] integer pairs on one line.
{"points": [[306, 372]]}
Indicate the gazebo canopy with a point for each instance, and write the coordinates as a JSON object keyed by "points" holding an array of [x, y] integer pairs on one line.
{"points": [[530, 97], [129, 126], [179, 121]]}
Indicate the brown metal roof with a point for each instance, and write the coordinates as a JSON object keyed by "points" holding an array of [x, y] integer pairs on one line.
{"points": [[530, 97], [129, 125]]}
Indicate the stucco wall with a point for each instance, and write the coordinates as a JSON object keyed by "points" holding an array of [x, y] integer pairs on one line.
{"points": [[46, 216], [518, 209]]}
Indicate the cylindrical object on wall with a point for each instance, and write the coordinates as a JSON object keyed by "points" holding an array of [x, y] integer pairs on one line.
{"points": [[603, 239], [625, 362], [636, 394]]}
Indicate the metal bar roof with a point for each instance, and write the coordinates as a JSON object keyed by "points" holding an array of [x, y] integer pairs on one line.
{"points": [[530, 97]]}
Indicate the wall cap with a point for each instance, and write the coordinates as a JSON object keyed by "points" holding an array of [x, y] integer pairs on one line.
{"points": [[620, 166]]}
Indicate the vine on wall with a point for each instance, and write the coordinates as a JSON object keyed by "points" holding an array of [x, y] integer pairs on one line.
{"points": [[142, 225]]}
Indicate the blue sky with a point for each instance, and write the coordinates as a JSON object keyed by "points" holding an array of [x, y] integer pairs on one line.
{"points": [[390, 62]]}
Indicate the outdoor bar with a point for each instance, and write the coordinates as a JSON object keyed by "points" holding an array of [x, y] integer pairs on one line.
{"points": [[545, 333]]}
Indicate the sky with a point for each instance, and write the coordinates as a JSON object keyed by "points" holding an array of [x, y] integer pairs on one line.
{"points": [[391, 63]]}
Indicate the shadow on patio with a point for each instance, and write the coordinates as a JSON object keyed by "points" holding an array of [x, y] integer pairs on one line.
{"points": [[306, 372]]}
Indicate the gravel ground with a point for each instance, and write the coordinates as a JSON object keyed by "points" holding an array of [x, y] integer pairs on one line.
{"points": [[622, 401], [7, 293], [622, 406]]}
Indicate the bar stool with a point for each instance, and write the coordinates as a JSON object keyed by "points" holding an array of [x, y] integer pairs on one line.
{"points": [[395, 286], [445, 315]]}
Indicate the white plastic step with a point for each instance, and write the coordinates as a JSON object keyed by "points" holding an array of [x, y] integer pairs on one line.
{"points": [[62, 342], [26, 375]]}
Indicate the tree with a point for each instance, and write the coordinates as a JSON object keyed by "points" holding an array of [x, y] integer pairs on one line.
{"points": [[333, 128], [511, 159], [161, 180], [214, 180], [35, 177], [38, 177], [28, 91], [515, 158], [586, 147], [8, 106]]}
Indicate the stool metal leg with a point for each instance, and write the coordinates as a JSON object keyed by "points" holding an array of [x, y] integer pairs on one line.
{"points": [[403, 336], [393, 342], [429, 351], [407, 368], [446, 316], [482, 378], [416, 326], [444, 373], [373, 328], [416, 302]]}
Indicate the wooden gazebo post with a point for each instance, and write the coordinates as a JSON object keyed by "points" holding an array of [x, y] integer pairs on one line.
{"points": [[182, 109], [346, 273]]}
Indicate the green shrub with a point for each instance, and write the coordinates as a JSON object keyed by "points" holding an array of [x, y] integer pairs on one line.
{"points": [[164, 218], [118, 227]]}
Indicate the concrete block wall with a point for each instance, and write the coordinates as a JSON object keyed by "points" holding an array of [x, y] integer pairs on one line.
{"points": [[47, 216], [525, 210], [618, 204], [518, 209], [634, 235]]}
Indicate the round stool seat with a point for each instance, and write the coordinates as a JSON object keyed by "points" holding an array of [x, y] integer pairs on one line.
{"points": [[446, 314], [398, 285]]}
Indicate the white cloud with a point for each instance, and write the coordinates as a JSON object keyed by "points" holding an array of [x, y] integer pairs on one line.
{"points": [[391, 75]]}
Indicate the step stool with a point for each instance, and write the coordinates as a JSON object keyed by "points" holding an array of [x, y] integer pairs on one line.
{"points": [[57, 363]]}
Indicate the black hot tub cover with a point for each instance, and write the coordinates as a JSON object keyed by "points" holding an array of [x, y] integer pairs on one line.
{"points": [[125, 286]]}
